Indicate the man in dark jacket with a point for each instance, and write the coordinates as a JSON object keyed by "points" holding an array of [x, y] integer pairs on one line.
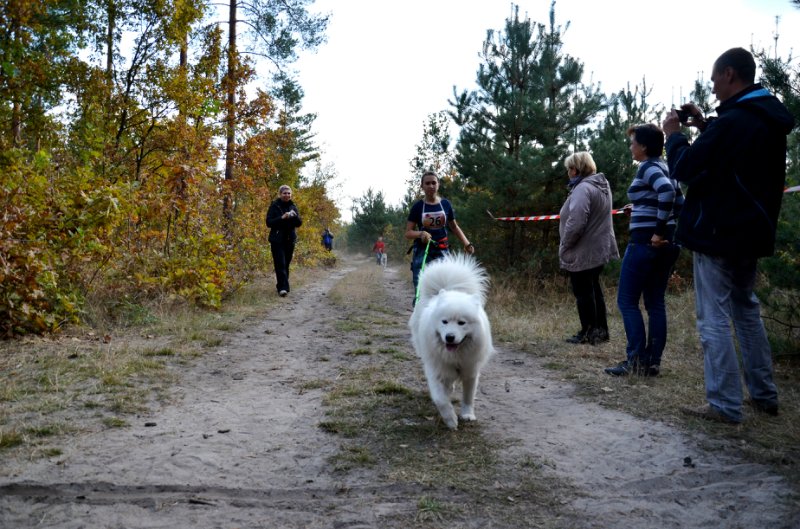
{"points": [[735, 172], [282, 219]]}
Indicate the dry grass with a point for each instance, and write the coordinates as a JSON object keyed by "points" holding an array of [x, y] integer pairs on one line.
{"points": [[539, 322], [361, 287], [96, 376], [82, 383]]}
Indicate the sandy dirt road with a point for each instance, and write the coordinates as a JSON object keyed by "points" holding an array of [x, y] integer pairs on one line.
{"points": [[241, 446]]}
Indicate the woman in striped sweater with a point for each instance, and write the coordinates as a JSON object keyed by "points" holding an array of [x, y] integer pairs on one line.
{"points": [[656, 199]]}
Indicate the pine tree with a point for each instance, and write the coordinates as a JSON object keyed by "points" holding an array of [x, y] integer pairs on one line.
{"points": [[780, 293], [434, 151], [609, 142], [517, 127], [372, 218]]}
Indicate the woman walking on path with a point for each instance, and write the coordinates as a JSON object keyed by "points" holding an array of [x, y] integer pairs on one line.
{"points": [[282, 219]]}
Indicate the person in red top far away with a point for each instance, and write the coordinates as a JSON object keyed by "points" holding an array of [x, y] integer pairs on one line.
{"points": [[378, 249]]}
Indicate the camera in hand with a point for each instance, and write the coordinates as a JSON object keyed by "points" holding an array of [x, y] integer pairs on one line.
{"points": [[683, 115]]}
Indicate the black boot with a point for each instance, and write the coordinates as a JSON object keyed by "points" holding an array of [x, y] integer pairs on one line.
{"points": [[652, 370], [581, 336], [597, 336]]}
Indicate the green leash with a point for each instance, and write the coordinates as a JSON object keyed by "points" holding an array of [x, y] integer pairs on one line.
{"points": [[421, 269]]}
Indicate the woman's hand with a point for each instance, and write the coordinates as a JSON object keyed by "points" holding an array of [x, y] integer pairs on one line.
{"points": [[424, 236], [658, 241], [469, 248]]}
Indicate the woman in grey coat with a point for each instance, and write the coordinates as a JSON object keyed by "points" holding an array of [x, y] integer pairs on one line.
{"points": [[587, 243]]}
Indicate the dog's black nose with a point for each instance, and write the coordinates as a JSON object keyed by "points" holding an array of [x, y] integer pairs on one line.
{"points": [[450, 338]]}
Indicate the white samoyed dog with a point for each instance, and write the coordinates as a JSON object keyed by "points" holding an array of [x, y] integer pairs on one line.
{"points": [[450, 331]]}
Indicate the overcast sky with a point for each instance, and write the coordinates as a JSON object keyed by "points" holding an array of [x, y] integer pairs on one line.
{"points": [[387, 65]]}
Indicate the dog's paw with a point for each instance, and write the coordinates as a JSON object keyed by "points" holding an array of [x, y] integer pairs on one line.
{"points": [[445, 407], [450, 419], [467, 413], [468, 417]]}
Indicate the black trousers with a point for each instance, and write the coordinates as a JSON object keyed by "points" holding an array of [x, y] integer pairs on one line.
{"points": [[589, 295], [282, 253]]}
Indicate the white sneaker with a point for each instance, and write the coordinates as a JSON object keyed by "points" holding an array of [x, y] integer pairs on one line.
{"points": [[282, 293]]}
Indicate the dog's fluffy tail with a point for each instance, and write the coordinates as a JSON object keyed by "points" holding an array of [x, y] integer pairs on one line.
{"points": [[459, 272]]}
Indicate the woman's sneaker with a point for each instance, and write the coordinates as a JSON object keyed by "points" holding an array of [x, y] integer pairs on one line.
{"points": [[622, 369], [626, 368]]}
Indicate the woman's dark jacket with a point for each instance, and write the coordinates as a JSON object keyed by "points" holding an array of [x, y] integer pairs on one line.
{"points": [[282, 230]]}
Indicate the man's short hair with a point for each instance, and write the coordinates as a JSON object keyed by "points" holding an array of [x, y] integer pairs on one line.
{"points": [[649, 136], [740, 61]]}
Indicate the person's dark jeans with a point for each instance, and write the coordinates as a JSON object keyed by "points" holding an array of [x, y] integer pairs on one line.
{"points": [[589, 296], [282, 253], [644, 275], [416, 263]]}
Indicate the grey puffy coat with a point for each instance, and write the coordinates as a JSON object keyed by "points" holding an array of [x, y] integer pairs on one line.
{"points": [[585, 227]]}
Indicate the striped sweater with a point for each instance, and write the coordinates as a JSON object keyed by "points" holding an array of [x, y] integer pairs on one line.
{"points": [[657, 199]]}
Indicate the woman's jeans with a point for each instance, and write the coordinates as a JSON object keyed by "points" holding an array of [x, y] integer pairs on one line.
{"points": [[724, 294], [282, 253], [644, 274], [589, 296], [416, 262]]}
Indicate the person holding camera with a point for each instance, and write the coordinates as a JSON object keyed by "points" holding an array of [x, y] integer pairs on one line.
{"points": [[282, 219], [735, 171], [650, 255]]}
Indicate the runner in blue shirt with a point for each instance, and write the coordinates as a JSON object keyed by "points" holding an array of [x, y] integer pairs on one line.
{"points": [[429, 220]]}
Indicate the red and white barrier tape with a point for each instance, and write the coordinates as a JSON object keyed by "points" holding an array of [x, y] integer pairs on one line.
{"points": [[543, 217], [793, 189]]}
